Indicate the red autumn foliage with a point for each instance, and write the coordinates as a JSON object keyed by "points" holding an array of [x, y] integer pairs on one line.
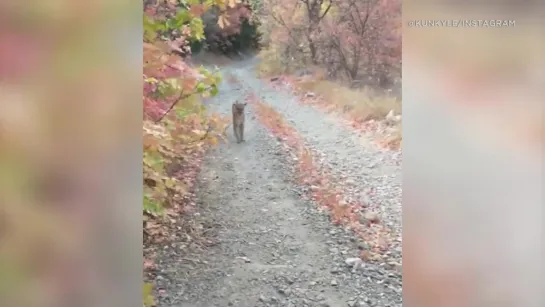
{"points": [[176, 131]]}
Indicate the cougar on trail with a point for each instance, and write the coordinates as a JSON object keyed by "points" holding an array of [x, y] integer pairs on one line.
{"points": [[238, 120]]}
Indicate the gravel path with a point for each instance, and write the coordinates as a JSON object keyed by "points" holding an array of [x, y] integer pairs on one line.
{"points": [[369, 173], [275, 249]]}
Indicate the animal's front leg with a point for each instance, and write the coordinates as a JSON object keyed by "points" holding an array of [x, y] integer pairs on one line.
{"points": [[235, 132]]}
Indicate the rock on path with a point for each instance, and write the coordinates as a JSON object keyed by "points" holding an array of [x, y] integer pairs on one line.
{"points": [[274, 249]]}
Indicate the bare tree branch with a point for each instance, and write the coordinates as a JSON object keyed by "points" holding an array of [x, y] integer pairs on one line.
{"points": [[181, 97]]}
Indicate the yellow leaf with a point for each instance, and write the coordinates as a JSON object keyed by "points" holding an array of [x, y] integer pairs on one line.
{"points": [[147, 295], [171, 183]]}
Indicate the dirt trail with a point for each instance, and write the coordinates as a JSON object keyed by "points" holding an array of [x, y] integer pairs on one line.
{"points": [[273, 249]]}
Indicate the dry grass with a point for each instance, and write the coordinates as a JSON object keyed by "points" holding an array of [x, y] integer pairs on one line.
{"points": [[362, 104], [359, 106], [269, 65], [266, 69], [394, 139], [272, 64]]}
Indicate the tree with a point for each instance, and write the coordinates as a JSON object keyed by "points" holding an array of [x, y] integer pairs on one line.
{"points": [[363, 35], [299, 21], [352, 39]]}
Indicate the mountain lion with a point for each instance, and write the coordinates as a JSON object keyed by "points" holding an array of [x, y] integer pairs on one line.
{"points": [[238, 120]]}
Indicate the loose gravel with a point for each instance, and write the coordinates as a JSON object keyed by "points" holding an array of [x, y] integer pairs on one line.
{"points": [[369, 174], [273, 248]]}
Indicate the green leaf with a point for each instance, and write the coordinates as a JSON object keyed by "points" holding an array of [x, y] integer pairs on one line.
{"points": [[201, 87], [171, 24], [203, 70], [161, 27], [152, 206], [169, 87], [211, 2], [173, 83], [154, 160], [150, 29], [181, 113], [197, 29], [182, 17], [214, 91]]}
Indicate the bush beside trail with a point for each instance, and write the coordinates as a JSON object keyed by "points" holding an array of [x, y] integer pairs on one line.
{"points": [[176, 128]]}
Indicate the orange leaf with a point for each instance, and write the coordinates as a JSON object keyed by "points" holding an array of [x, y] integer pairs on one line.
{"points": [[189, 84], [221, 22], [197, 10]]}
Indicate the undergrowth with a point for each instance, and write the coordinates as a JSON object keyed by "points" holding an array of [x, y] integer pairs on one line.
{"points": [[176, 128]]}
